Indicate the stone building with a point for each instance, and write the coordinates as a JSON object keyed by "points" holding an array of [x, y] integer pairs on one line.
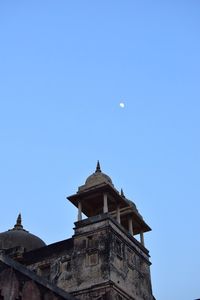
{"points": [[102, 260]]}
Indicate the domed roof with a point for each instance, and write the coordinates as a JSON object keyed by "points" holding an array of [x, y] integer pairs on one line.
{"points": [[131, 203], [20, 237], [97, 178]]}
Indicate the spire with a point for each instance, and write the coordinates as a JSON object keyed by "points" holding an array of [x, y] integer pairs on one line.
{"points": [[18, 224], [122, 193], [98, 168]]}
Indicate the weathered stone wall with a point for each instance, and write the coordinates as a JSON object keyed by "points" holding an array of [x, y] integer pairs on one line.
{"points": [[14, 285], [123, 259], [105, 263], [109, 292], [83, 267], [130, 268]]}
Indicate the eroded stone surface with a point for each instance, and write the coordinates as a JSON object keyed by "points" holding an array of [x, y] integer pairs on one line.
{"points": [[103, 261]]}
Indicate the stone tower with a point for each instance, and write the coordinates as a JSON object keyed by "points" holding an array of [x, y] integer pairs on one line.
{"points": [[108, 261]]}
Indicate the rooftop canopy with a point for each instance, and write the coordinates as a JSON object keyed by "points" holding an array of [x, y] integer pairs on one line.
{"points": [[98, 195]]}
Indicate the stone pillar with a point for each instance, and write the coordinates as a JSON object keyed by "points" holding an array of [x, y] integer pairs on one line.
{"points": [[79, 211], [105, 203], [142, 238], [118, 214], [130, 224]]}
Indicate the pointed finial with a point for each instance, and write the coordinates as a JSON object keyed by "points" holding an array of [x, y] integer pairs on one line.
{"points": [[98, 168], [18, 224], [19, 219], [122, 193]]}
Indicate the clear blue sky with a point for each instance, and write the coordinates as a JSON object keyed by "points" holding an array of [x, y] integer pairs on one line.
{"points": [[64, 68]]}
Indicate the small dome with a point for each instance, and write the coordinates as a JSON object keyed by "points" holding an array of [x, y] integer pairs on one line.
{"points": [[20, 237], [97, 178], [131, 203]]}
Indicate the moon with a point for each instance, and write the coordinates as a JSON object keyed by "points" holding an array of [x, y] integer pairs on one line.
{"points": [[122, 105]]}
